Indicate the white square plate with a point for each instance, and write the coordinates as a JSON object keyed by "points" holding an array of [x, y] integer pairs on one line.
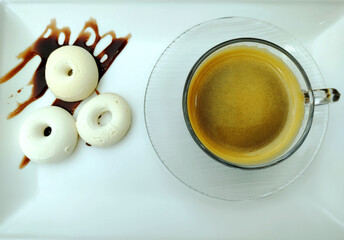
{"points": [[125, 192]]}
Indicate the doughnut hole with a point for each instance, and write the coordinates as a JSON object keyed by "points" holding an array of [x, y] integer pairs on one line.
{"points": [[70, 72], [104, 118], [65, 69], [47, 131], [41, 131]]}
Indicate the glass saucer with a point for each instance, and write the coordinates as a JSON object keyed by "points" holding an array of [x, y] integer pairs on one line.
{"points": [[171, 139]]}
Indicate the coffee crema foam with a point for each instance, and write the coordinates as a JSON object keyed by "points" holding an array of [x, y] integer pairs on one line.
{"points": [[245, 105]]}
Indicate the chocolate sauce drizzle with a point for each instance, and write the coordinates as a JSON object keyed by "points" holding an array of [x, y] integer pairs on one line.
{"points": [[45, 45], [25, 161]]}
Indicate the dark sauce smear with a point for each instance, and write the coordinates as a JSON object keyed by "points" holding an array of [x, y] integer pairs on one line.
{"points": [[45, 45], [24, 162]]}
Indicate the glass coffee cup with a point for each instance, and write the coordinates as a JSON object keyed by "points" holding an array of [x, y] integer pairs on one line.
{"points": [[248, 103], [185, 157]]}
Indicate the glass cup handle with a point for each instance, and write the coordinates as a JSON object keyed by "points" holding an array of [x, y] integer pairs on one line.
{"points": [[323, 96]]}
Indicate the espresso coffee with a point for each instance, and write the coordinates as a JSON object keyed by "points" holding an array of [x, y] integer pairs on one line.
{"points": [[245, 105]]}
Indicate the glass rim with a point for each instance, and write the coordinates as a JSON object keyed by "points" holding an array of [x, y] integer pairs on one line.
{"points": [[286, 154]]}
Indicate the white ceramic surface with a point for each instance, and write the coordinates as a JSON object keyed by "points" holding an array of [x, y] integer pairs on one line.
{"points": [[125, 192]]}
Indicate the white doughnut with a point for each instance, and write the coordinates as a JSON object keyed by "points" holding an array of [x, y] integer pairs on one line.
{"points": [[41, 146], [71, 73], [114, 130]]}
